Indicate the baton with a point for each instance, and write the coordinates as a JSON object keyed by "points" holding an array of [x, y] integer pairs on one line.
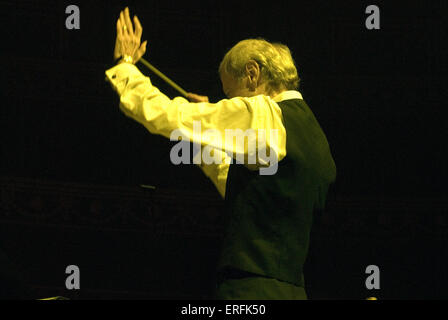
{"points": [[164, 77]]}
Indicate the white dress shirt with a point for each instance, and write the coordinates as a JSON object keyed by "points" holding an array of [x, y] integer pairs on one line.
{"points": [[143, 102]]}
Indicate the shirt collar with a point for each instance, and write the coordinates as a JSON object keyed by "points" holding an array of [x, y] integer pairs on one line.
{"points": [[288, 95]]}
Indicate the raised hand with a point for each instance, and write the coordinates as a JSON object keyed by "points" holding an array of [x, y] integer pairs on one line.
{"points": [[128, 44]]}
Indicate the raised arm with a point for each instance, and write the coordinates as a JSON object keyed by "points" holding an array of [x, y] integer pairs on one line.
{"points": [[257, 118]]}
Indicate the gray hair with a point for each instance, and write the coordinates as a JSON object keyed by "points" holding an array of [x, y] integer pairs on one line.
{"points": [[275, 60]]}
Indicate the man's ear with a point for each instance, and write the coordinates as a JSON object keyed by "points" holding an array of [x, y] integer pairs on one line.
{"points": [[253, 74]]}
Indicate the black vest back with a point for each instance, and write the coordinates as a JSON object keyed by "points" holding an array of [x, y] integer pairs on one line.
{"points": [[269, 217]]}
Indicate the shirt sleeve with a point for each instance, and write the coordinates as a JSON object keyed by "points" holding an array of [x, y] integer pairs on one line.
{"points": [[203, 123], [217, 172]]}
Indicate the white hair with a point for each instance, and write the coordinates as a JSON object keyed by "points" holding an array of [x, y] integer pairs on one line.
{"points": [[275, 61]]}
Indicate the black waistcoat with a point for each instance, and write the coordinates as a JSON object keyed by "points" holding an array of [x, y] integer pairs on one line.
{"points": [[269, 217]]}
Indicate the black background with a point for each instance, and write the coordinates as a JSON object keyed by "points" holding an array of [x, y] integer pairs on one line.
{"points": [[379, 95]]}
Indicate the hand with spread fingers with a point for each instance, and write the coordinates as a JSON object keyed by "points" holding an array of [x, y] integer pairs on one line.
{"points": [[128, 44]]}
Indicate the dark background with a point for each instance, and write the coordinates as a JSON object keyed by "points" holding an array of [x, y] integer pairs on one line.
{"points": [[379, 95]]}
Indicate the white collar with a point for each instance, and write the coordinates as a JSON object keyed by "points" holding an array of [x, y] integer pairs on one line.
{"points": [[288, 95]]}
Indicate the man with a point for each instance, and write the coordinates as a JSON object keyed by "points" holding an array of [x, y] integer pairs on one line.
{"points": [[268, 216]]}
